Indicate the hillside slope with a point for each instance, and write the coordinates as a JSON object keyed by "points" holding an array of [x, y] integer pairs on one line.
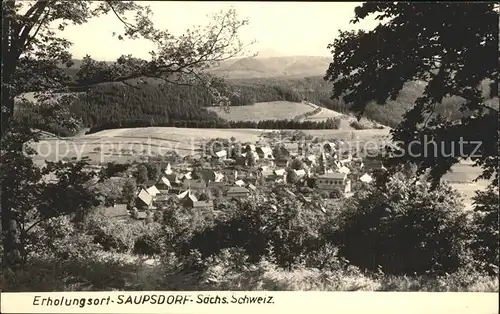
{"points": [[267, 67]]}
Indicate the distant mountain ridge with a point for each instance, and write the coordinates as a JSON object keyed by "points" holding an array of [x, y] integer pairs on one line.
{"points": [[261, 66]]}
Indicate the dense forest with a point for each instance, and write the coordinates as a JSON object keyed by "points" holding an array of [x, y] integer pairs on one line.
{"points": [[119, 105]]}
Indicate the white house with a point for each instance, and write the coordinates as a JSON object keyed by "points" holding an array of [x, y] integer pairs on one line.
{"points": [[184, 194], [221, 154], [153, 191], [218, 177], [265, 152], [300, 173], [332, 181], [240, 183], [168, 170], [344, 170], [145, 198], [366, 178], [280, 172]]}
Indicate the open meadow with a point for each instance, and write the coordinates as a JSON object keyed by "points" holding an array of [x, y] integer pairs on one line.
{"points": [[274, 110]]}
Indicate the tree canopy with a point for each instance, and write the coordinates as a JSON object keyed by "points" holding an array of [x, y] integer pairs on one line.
{"points": [[33, 52], [34, 55], [453, 49]]}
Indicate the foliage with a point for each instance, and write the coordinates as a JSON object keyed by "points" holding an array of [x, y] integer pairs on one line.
{"points": [[280, 228], [405, 228], [357, 125], [141, 174], [297, 164], [147, 243], [32, 55], [418, 42], [292, 177], [128, 192], [31, 197], [486, 228]]}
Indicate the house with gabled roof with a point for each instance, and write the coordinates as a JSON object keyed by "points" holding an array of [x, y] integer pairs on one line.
{"points": [[300, 173], [366, 178], [344, 169], [153, 191], [264, 152], [183, 194], [144, 199], [332, 181], [163, 184], [280, 172], [239, 183], [221, 155], [168, 170]]}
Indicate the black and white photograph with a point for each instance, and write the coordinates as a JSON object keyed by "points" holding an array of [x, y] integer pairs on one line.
{"points": [[249, 146]]}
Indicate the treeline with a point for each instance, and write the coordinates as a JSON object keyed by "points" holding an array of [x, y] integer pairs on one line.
{"points": [[307, 114], [333, 124], [316, 90], [166, 105]]}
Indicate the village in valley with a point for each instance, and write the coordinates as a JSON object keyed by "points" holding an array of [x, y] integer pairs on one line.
{"points": [[311, 170]]}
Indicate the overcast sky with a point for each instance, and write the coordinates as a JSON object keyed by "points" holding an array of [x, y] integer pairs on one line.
{"points": [[291, 28]]}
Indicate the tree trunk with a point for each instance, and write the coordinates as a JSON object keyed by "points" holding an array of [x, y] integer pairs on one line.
{"points": [[11, 238], [10, 229]]}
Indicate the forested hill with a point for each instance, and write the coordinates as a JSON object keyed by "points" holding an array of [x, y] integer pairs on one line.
{"points": [[116, 104], [113, 105]]}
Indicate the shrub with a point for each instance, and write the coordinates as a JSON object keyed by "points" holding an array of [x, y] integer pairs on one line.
{"points": [[486, 213], [357, 125], [112, 236], [282, 222], [405, 228], [149, 242]]}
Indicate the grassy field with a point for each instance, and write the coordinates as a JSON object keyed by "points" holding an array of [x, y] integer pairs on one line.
{"points": [[275, 110]]}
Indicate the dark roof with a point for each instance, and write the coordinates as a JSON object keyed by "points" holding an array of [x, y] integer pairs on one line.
{"points": [[208, 174], [214, 183], [334, 175], [150, 183], [237, 189], [163, 197], [203, 204]]}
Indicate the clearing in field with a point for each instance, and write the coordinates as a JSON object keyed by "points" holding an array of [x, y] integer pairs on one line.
{"points": [[274, 110]]}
